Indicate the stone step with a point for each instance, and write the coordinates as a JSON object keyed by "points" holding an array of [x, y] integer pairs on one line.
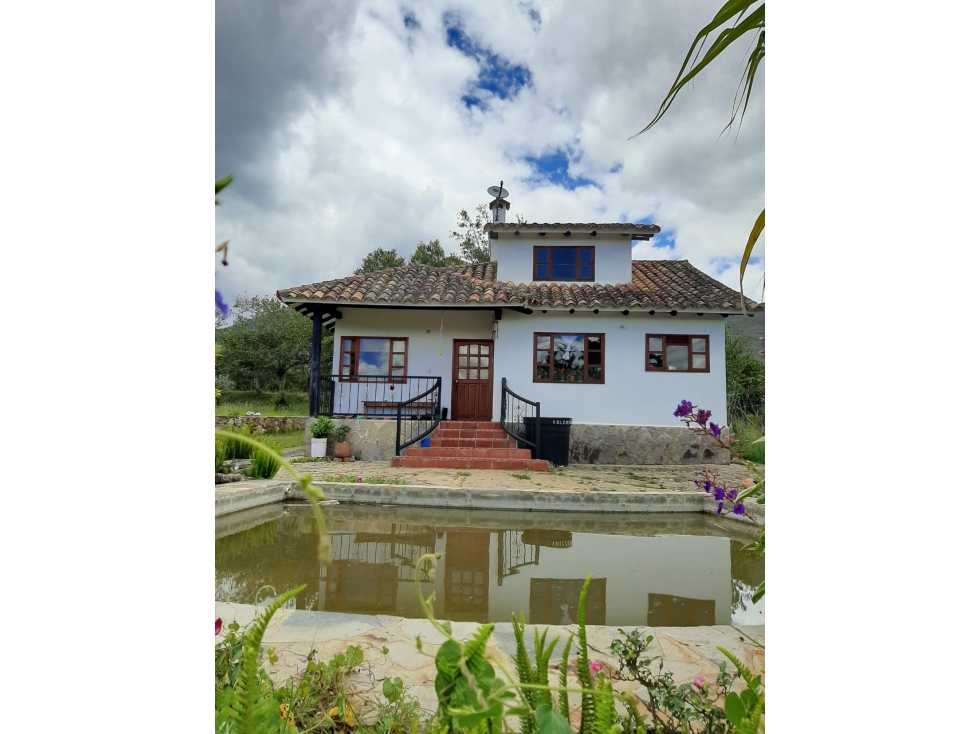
{"points": [[474, 453], [429, 462]]}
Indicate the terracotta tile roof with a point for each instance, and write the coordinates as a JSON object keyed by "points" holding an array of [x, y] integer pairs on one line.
{"points": [[621, 228], [655, 284]]}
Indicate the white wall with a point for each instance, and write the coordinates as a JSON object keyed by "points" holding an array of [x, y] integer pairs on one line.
{"points": [[630, 395], [515, 255], [422, 329]]}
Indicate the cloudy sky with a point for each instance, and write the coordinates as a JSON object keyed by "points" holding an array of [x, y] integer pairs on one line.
{"points": [[353, 125]]}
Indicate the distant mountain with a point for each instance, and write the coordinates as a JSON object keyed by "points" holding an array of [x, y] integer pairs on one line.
{"points": [[751, 327]]}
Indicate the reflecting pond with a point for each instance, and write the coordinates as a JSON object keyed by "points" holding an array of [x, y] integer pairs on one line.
{"points": [[674, 570]]}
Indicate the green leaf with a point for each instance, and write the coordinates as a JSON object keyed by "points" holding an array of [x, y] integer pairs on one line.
{"points": [[550, 721], [752, 239], [734, 708]]}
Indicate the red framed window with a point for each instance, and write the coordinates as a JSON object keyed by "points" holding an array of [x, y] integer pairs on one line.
{"points": [[552, 262], [569, 358], [677, 353], [369, 356]]}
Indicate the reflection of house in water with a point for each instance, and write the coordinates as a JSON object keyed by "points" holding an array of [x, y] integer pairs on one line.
{"points": [[678, 611], [467, 560], [367, 566], [555, 601]]}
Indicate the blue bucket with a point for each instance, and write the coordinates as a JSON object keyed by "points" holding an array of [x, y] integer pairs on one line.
{"points": [[426, 443]]}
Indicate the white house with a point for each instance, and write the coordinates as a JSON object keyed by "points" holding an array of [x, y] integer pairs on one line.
{"points": [[561, 311]]}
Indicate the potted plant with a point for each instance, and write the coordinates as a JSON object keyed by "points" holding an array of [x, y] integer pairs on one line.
{"points": [[341, 449], [321, 430]]}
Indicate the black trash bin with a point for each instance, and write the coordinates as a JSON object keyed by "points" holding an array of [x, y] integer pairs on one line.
{"points": [[555, 439]]}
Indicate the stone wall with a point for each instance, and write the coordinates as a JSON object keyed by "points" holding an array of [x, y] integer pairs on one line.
{"points": [[374, 439], [609, 444], [262, 423]]}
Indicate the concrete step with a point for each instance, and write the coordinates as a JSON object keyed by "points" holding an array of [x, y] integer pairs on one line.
{"points": [[467, 453], [430, 462], [498, 433], [474, 443], [469, 425]]}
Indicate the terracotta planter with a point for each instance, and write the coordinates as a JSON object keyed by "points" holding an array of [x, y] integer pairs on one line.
{"points": [[341, 450]]}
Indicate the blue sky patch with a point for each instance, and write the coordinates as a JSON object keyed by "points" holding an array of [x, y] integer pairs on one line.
{"points": [[554, 167], [497, 76]]}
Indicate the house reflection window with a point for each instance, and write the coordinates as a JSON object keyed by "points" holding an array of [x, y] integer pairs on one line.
{"points": [[665, 610], [555, 601]]}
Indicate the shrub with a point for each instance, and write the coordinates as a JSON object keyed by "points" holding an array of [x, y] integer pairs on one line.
{"points": [[745, 381], [264, 465], [323, 427], [341, 431], [219, 454], [237, 449]]}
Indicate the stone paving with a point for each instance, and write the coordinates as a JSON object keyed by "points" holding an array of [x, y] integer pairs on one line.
{"points": [[686, 651], [575, 478]]}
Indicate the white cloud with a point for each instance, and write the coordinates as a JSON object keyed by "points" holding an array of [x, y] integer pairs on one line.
{"points": [[347, 133]]}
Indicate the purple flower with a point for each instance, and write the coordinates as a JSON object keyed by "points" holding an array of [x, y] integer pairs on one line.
{"points": [[707, 485], [739, 509], [219, 302], [732, 495], [720, 506], [217, 626], [702, 416], [685, 408], [718, 493], [715, 429]]}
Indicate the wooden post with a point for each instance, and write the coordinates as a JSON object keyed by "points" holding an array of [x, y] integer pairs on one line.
{"points": [[314, 365]]}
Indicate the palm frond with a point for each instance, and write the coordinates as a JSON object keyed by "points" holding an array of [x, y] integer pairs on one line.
{"points": [[693, 63]]}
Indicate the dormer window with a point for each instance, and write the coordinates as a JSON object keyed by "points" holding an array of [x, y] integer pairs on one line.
{"points": [[564, 263]]}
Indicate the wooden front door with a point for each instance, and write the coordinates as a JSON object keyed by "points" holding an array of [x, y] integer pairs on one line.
{"points": [[472, 380]]}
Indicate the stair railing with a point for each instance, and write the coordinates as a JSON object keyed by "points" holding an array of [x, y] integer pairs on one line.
{"points": [[513, 409]]}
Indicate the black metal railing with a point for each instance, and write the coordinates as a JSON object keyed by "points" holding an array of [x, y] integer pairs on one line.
{"points": [[377, 396], [513, 410], [415, 423]]}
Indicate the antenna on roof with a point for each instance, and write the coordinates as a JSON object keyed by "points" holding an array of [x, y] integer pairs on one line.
{"points": [[499, 205]]}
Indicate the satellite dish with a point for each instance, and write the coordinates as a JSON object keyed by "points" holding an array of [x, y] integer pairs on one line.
{"points": [[497, 192]]}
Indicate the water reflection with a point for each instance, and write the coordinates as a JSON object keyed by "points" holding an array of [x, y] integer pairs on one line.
{"points": [[659, 570]]}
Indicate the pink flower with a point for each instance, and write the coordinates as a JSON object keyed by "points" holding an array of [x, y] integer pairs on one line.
{"points": [[699, 682], [217, 626], [594, 666], [360, 479]]}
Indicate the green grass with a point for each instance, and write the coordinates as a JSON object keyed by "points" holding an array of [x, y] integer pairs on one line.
{"points": [[521, 475], [744, 434], [235, 409], [284, 440]]}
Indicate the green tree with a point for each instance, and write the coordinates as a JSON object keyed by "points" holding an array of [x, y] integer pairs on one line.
{"points": [[266, 345], [745, 380], [473, 241], [746, 16], [433, 254], [379, 259]]}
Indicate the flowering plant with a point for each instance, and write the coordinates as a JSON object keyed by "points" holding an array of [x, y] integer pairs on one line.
{"points": [[730, 500]]}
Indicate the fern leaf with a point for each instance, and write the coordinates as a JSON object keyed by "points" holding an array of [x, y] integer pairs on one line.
{"points": [[742, 668], [584, 672], [563, 678], [604, 707], [247, 687], [522, 662]]}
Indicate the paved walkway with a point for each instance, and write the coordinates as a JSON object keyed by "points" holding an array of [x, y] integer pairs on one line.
{"points": [[575, 478]]}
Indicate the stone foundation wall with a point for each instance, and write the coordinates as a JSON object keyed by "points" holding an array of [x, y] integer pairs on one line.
{"points": [[261, 423], [608, 444], [374, 439]]}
